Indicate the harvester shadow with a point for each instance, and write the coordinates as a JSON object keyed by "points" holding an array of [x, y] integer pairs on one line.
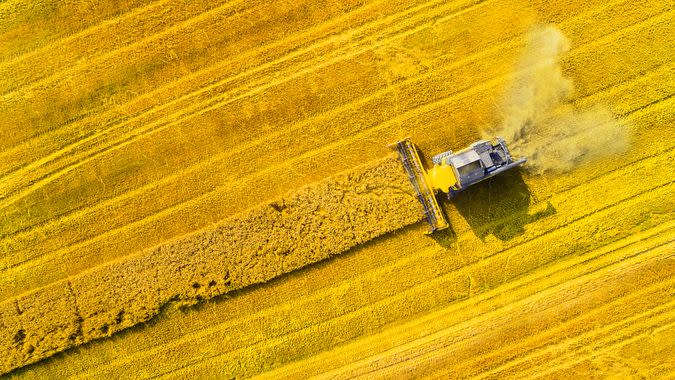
{"points": [[499, 206], [445, 238]]}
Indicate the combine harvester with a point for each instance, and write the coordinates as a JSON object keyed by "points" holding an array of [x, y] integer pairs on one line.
{"points": [[453, 172]]}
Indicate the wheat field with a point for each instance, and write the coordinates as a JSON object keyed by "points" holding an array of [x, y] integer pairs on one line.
{"points": [[203, 189]]}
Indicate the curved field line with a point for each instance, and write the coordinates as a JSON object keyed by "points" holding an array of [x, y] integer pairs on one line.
{"points": [[522, 281], [521, 358], [199, 108], [242, 147], [399, 349], [332, 320], [267, 169], [659, 312], [655, 311], [394, 366], [322, 292], [657, 323], [651, 330]]}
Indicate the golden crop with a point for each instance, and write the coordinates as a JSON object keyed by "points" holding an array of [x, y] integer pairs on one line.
{"points": [[169, 151]]}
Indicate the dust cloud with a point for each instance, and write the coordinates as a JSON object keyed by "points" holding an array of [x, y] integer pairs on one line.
{"points": [[541, 122]]}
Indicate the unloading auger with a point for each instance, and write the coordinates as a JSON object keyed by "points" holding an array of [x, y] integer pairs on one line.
{"points": [[453, 172]]}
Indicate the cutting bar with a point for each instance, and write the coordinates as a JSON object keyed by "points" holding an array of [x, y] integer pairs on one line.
{"points": [[420, 182]]}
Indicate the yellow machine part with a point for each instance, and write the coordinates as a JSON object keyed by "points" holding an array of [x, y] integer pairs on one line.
{"points": [[443, 177], [421, 181]]}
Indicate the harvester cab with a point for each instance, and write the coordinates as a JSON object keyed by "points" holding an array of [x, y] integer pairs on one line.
{"points": [[452, 172]]}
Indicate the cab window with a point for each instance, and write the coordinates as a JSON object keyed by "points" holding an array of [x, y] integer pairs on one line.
{"points": [[469, 168]]}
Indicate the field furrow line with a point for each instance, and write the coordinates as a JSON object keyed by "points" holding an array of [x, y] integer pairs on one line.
{"points": [[150, 187], [665, 68], [654, 102], [523, 359], [204, 189], [382, 304], [111, 125], [657, 315], [213, 261], [14, 190], [61, 43], [623, 330], [65, 83], [523, 286], [560, 349], [181, 115], [207, 72], [128, 264], [647, 332], [229, 154], [288, 53], [419, 288], [263, 172], [8, 11], [306, 299], [429, 345], [44, 82], [239, 54], [90, 30], [522, 282], [660, 319]]}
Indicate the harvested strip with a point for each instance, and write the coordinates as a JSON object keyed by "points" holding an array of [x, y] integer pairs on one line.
{"points": [[312, 224]]}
